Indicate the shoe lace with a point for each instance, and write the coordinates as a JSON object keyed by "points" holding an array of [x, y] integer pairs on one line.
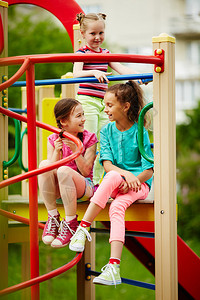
{"points": [[64, 228], [81, 232], [109, 269], [52, 223]]}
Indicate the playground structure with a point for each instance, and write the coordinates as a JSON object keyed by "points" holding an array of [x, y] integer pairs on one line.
{"points": [[166, 275]]}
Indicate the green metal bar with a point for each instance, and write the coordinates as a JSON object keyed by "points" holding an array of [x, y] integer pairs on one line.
{"points": [[7, 164], [20, 153], [141, 131]]}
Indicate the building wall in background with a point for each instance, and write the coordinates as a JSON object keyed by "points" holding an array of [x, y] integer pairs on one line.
{"points": [[131, 24]]}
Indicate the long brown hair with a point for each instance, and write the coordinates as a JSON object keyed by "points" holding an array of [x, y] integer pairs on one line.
{"points": [[63, 109], [130, 92]]}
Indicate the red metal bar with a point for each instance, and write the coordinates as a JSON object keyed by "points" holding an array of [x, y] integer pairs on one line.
{"points": [[44, 169], [73, 57], [35, 281], [32, 165], [16, 76], [47, 276], [44, 277], [18, 218]]}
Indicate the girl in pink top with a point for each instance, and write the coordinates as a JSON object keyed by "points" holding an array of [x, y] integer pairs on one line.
{"points": [[70, 182]]}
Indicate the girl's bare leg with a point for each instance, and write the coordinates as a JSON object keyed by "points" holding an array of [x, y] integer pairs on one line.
{"points": [[92, 211], [48, 186], [72, 187], [116, 249]]}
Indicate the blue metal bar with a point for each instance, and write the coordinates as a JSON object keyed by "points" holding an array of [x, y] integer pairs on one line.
{"points": [[147, 76], [18, 110], [127, 233], [141, 284]]}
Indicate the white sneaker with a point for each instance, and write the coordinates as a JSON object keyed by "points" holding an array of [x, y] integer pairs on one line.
{"points": [[78, 240], [110, 275]]}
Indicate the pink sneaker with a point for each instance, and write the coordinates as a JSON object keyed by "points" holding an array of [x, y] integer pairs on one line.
{"points": [[67, 230], [51, 229]]}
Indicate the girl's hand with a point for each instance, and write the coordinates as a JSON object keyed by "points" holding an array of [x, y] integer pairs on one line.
{"points": [[101, 76], [132, 181], [123, 187], [70, 144], [58, 144]]}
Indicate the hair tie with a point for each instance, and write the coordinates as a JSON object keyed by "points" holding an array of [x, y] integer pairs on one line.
{"points": [[103, 16], [80, 17], [129, 83], [61, 133]]}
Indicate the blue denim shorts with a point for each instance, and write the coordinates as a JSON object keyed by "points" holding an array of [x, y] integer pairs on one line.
{"points": [[89, 190]]}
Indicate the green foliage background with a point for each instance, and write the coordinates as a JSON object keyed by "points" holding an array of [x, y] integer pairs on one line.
{"points": [[188, 175]]}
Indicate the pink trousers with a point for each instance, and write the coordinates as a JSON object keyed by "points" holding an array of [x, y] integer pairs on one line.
{"points": [[109, 188]]}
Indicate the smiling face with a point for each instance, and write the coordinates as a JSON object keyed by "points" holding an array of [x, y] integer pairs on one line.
{"points": [[94, 34], [115, 110], [75, 123]]}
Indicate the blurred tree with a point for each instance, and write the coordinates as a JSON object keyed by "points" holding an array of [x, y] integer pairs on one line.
{"points": [[36, 34], [188, 164]]}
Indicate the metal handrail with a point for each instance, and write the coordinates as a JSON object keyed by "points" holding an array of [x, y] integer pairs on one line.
{"points": [[146, 77], [141, 132], [7, 164], [41, 278], [20, 152]]}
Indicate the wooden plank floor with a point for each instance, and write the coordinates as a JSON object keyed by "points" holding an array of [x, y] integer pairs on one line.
{"points": [[141, 210]]}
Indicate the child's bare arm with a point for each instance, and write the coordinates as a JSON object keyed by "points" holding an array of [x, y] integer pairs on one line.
{"points": [[79, 72], [53, 154], [85, 163], [145, 175], [122, 70]]}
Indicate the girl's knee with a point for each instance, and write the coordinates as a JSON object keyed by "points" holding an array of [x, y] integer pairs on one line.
{"points": [[64, 171], [113, 175], [44, 163]]}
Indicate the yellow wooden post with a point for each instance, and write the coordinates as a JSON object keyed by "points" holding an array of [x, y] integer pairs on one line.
{"points": [[47, 91], [25, 267], [165, 173], [68, 90], [4, 153], [78, 39]]}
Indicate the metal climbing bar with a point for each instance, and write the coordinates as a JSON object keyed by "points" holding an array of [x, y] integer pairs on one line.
{"points": [[6, 164], [141, 132], [89, 272], [41, 278], [71, 57], [147, 77], [128, 233]]}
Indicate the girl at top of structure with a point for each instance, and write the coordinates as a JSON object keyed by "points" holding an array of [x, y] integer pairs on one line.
{"points": [[128, 174], [71, 181], [90, 94]]}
